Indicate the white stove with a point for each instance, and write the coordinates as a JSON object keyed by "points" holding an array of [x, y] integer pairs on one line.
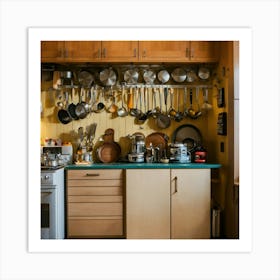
{"points": [[52, 203]]}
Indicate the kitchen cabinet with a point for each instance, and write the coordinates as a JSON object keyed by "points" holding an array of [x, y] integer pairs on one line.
{"points": [[89, 51], [119, 51], [148, 203], [164, 51], [94, 203], [52, 51], [168, 203], [178, 51], [190, 203], [203, 51], [129, 51], [70, 51]]}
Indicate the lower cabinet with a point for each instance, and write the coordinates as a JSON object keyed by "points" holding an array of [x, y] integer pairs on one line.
{"points": [[168, 203], [94, 203]]}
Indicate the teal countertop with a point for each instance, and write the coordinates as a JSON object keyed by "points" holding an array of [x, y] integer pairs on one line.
{"points": [[120, 165]]}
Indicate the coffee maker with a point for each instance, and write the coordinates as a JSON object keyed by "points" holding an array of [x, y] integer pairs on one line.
{"points": [[138, 148]]}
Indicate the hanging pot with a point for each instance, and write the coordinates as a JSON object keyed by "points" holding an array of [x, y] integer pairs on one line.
{"points": [[179, 75], [131, 76], [108, 77], [203, 73], [149, 76], [163, 76], [85, 79]]}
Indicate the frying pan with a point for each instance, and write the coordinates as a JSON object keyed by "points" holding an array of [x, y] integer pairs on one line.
{"points": [[72, 107], [63, 114], [187, 134]]}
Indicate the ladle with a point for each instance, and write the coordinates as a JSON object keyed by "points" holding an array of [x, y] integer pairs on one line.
{"points": [[135, 112], [122, 112], [206, 105], [179, 115], [172, 112]]}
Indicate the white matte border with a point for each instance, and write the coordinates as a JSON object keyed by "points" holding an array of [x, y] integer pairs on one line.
{"points": [[35, 35]]}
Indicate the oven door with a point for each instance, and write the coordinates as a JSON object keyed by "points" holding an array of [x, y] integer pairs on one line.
{"points": [[48, 213]]}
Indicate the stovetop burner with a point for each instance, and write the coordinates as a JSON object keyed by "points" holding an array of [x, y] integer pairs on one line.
{"points": [[51, 167]]}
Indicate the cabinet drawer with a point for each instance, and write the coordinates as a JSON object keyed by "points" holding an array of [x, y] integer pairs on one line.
{"points": [[94, 198], [94, 183], [95, 227], [95, 209], [94, 191], [93, 174]]}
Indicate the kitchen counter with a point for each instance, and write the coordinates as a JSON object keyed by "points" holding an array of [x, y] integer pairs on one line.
{"points": [[120, 165]]}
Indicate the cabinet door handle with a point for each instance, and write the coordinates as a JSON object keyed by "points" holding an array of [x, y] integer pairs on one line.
{"points": [[176, 184], [135, 52], [104, 52], [98, 53], [187, 52], [92, 174], [144, 53]]}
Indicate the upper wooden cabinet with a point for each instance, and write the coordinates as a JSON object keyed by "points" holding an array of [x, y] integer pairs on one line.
{"points": [[161, 51], [203, 51], [119, 51], [178, 51], [89, 51], [129, 51]]}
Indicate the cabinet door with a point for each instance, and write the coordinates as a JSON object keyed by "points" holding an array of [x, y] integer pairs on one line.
{"points": [[190, 203], [82, 51], [159, 51], [119, 51], [148, 203], [203, 51], [52, 51]]}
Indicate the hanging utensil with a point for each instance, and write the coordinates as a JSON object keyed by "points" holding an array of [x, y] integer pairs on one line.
{"points": [[72, 107], [179, 115], [163, 120], [80, 109], [122, 112], [100, 105], [171, 112], [191, 111], [198, 111], [135, 112], [113, 107], [63, 114], [206, 105]]}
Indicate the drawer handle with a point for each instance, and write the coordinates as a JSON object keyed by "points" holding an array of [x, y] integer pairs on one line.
{"points": [[176, 186], [92, 174]]}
